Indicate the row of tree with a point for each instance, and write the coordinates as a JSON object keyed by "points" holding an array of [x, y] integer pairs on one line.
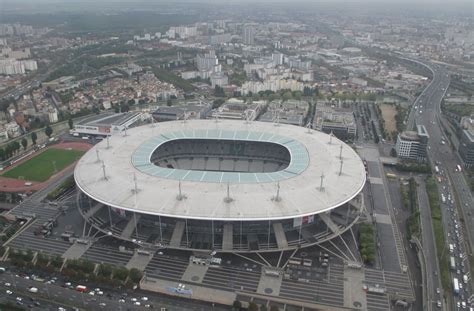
{"points": [[12, 148]]}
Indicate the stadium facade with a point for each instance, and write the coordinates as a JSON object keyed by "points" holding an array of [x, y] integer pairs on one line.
{"points": [[225, 186]]}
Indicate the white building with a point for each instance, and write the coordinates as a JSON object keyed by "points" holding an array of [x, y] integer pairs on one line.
{"points": [[183, 32], [207, 61], [299, 64], [15, 54], [249, 35], [53, 116], [11, 67], [3, 135], [271, 85], [30, 64], [219, 79], [278, 58], [13, 129]]}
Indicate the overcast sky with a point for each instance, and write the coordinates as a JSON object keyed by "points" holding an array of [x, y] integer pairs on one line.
{"points": [[438, 2]]}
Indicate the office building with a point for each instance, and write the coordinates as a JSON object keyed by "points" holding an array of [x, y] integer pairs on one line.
{"points": [[412, 145]]}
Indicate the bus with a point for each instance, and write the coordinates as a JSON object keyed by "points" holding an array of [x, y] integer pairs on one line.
{"points": [[458, 168], [456, 286], [391, 176], [81, 288], [451, 248], [436, 169], [453, 263]]}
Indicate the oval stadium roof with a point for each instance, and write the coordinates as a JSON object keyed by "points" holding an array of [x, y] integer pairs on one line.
{"points": [[204, 193]]}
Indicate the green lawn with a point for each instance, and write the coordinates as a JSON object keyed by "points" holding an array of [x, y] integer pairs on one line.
{"points": [[41, 167]]}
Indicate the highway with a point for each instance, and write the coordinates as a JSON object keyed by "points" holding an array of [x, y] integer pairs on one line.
{"points": [[426, 111], [434, 291], [51, 296]]}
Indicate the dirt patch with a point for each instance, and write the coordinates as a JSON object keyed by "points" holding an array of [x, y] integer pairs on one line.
{"points": [[73, 145], [388, 114]]}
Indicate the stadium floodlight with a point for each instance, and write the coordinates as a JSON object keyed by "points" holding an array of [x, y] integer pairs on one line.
{"points": [[228, 199], [103, 170], [330, 138], [321, 187]]}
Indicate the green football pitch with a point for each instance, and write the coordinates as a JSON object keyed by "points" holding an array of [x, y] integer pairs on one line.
{"points": [[44, 165]]}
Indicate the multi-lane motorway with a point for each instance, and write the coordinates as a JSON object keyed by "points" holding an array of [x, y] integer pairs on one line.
{"points": [[426, 111]]}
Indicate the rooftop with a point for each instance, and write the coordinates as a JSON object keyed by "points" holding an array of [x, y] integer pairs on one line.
{"points": [[252, 194], [108, 119]]}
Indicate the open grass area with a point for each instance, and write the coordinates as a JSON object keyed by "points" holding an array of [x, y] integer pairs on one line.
{"points": [[44, 165], [433, 196]]}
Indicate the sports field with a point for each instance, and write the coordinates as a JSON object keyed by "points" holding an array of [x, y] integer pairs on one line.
{"points": [[42, 166]]}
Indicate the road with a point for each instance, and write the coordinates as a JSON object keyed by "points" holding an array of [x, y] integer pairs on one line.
{"points": [[426, 111], [55, 295], [434, 292]]}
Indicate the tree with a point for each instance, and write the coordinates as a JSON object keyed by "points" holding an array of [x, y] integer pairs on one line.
{"points": [[252, 306], [237, 305], [48, 131], [34, 137], [24, 143], [263, 308], [135, 275], [16, 146], [124, 108], [274, 308], [120, 273], [2, 154], [393, 152], [169, 103], [218, 91], [217, 103], [70, 123], [287, 95]]}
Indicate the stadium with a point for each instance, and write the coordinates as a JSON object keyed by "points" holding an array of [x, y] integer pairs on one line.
{"points": [[221, 185]]}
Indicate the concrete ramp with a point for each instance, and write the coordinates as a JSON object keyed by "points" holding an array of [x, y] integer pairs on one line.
{"points": [[280, 235], [227, 240], [328, 221], [76, 251], [195, 273], [140, 260], [177, 234], [93, 210], [130, 227]]}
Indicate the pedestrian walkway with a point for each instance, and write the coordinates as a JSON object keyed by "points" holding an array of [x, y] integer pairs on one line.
{"points": [[194, 273], [269, 285], [139, 260], [354, 294], [76, 251]]}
